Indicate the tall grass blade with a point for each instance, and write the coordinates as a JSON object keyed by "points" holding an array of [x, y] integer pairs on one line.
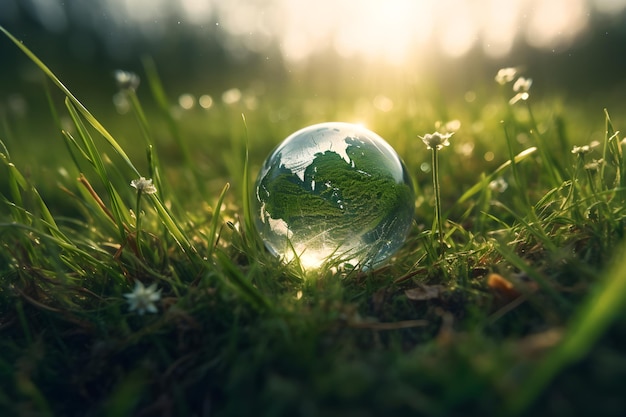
{"points": [[247, 192], [17, 181], [589, 323], [238, 281], [614, 155], [159, 95], [172, 227], [57, 121], [476, 188], [118, 207], [532, 273], [216, 218], [81, 108]]}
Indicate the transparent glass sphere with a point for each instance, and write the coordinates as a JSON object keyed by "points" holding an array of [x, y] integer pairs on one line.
{"points": [[334, 192]]}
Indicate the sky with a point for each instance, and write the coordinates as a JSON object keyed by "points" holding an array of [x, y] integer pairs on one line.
{"points": [[389, 30]]}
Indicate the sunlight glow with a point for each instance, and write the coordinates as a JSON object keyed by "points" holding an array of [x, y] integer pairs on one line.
{"points": [[196, 11], [386, 32], [392, 31], [396, 31], [309, 260], [497, 20], [556, 21], [459, 33]]}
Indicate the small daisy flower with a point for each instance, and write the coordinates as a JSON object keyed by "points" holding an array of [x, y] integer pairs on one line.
{"points": [[142, 298], [581, 150], [506, 75], [594, 165], [498, 185], [126, 80], [522, 84], [521, 87], [143, 185], [436, 140]]}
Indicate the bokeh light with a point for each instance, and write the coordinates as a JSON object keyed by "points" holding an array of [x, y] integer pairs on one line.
{"points": [[380, 30], [389, 30]]}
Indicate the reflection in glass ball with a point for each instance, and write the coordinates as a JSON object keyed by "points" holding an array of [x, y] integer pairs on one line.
{"points": [[333, 192]]}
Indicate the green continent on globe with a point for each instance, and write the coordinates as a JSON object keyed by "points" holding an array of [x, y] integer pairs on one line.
{"points": [[341, 198]]}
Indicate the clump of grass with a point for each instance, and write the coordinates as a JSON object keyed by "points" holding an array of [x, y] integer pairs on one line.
{"points": [[531, 278]]}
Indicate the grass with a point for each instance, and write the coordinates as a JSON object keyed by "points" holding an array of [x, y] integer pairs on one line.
{"points": [[520, 315]]}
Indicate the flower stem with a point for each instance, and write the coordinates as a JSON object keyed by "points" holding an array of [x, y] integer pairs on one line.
{"points": [[436, 187], [138, 223]]}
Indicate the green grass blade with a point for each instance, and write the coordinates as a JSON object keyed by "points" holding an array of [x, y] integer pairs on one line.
{"points": [[216, 218], [70, 249], [158, 93], [81, 108], [614, 147], [242, 284], [532, 273], [118, 207], [589, 323], [73, 144], [16, 181], [172, 227], [91, 152], [479, 185], [247, 193], [151, 153], [59, 125], [533, 226]]}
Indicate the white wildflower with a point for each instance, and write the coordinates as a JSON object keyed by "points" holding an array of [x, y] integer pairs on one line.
{"points": [[436, 140], [594, 165], [519, 96], [498, 185], [522, 84], [142, 298], [506, 75], [581, 150], [521, 87], [143, 185], [126, 80]]}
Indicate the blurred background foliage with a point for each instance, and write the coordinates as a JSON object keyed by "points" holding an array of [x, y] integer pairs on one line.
{"points": [[398, 66], [570, 47]]}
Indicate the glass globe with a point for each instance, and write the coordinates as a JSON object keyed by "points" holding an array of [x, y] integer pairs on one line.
{"points": [[333, 192]]}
